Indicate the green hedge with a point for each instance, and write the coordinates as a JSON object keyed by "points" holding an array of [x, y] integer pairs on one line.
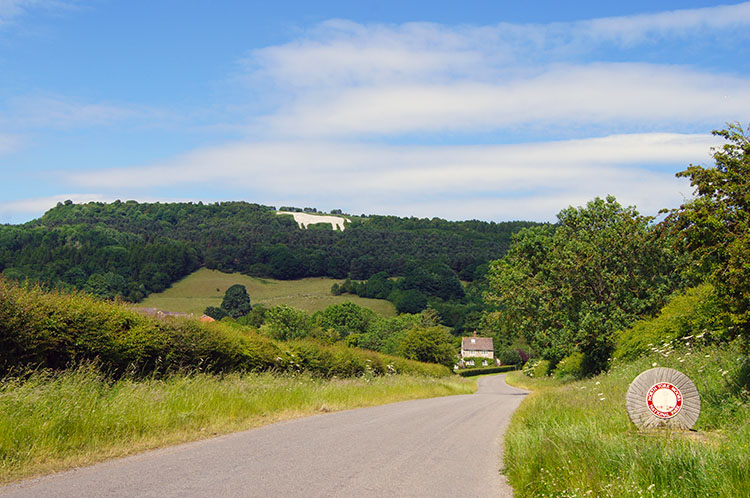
{"points": [[40, 329], [471, 372]]}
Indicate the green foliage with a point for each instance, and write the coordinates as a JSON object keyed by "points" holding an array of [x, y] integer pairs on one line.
{"points": [[255, 318], [215, 312], [408, 301], [571, 287], [715, 226], [510, 357], [346, 318], [695, 312], [285, 323], [570, 367], [430, 345], [236, 302], [56, 330], [536, 368], [472, 372]]}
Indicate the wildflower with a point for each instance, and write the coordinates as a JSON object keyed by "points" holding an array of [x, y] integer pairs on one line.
{"points": [[653, 364], [597, 382], [651, 487]]}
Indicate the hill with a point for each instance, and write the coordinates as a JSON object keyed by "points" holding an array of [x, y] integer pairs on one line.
{"points": [[206, 287], [134, 249]]}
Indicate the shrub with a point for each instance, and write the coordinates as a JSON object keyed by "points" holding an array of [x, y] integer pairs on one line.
{"points": [[510, 357], [570, 367], [693, 312], [536, 368]]}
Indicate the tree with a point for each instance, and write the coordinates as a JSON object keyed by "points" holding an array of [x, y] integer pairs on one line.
{"points": [[236, 302], [715, 226], [571, 287], [346, 318], [284, 323], [215, 312], [431, 345]]}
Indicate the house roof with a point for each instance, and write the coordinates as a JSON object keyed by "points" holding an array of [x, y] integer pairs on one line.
{"points": [[477, 344]]}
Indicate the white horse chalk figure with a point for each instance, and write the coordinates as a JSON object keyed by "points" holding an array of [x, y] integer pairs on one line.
{"points": [[304, 220]]}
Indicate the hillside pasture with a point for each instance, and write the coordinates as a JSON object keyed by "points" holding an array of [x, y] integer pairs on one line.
{"points": [[206, 287]]}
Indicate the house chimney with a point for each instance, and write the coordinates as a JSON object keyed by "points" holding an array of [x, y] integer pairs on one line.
{"points": [[475, 333]]}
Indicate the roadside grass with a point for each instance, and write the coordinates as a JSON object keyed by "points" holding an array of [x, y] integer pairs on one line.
{"points": [[206, 287], [574, 439], [55, 421]]}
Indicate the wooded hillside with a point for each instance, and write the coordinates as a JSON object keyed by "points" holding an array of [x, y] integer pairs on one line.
{"points": [[132, 249]]}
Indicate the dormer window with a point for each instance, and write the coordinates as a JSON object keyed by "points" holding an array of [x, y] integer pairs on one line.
{"points": [[473, 341]]}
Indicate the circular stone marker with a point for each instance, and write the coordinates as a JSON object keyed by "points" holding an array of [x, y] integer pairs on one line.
{"points": [[663, 397]]}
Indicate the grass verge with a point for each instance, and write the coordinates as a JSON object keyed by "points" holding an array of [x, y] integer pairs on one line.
{"points": [[51, 422], [574, 439]]}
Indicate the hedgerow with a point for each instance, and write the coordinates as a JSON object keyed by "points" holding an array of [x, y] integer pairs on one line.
{"points": [[42, 329]]}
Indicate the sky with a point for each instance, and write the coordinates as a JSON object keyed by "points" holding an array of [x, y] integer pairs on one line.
{"points": [[488, 110]]}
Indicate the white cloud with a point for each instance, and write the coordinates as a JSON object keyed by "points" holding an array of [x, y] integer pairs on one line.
{"points": [[635, 94], [508, 180], [343, 79], [687, 22]]}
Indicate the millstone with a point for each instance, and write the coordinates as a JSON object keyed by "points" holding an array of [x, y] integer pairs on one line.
{"points": [[663, 397]]}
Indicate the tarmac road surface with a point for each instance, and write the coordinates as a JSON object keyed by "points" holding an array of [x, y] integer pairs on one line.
{"points": [[439, 447]]}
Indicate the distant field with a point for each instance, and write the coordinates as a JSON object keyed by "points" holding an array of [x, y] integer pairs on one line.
{"points": [[206, 287]]}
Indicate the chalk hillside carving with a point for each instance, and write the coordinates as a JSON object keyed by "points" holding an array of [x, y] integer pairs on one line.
{"points": [[304, 220]]}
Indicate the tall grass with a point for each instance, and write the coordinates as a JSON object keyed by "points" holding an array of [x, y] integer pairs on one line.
{"points": [[575, 439], [52, 421]]}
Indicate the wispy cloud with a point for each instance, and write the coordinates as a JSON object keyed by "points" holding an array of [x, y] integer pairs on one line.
{"points": [[632, 94], [652, 27], [343, 79], [13, 9], [63, 112]]}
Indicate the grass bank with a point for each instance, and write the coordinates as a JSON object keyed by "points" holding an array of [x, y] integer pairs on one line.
{"points": [[50, 422], [574, 439], [206, 287]]}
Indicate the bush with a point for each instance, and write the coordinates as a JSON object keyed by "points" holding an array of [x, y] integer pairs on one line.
{"points": [[570, 367], [510, 357], [536, 368], [693, 312]]}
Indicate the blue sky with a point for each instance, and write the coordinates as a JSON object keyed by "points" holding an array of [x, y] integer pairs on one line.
{"points": [[483, 110]]}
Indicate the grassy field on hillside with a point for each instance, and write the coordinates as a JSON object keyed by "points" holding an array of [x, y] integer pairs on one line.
{"points": [[574, 439], [51, 422], [206, 287]]}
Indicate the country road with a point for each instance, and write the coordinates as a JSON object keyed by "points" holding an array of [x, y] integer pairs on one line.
{"points": [[439, 447]]}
